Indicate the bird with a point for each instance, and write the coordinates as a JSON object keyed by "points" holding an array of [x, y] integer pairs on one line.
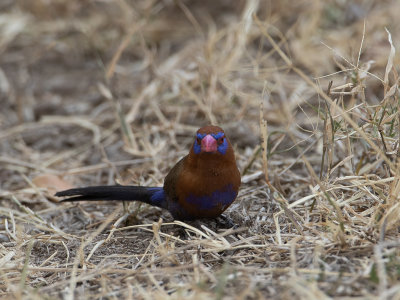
{"points": [[201, 185]]}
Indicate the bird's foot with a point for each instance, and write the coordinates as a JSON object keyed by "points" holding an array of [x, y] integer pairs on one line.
{"points": [[183, 234], [227, 222]]}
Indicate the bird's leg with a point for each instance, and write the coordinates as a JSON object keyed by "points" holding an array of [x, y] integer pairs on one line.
{"points": [[183, 234], [225, 220]]}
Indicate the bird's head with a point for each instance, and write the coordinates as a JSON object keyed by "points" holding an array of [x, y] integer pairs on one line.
{"points": [[210, 139]]}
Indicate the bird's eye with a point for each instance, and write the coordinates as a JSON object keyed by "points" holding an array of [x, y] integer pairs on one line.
{"points": [[220, 140], [198, 140]]}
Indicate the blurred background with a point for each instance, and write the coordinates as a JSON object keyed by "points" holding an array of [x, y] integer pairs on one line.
{"points": [[119, 79]]}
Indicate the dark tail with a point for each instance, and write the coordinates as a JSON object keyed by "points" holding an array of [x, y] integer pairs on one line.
{"points": [[150, 195]]}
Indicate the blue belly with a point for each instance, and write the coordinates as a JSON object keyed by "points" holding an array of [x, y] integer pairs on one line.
{"points": [[218, 199]]}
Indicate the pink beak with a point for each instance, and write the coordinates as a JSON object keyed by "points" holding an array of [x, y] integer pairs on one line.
{"points": [[208, 144]]}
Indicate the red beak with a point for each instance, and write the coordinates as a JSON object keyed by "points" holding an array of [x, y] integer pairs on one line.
{"points": [[208, 144]]}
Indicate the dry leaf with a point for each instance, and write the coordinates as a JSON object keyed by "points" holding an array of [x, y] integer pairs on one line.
{"points": [[51, 182]]}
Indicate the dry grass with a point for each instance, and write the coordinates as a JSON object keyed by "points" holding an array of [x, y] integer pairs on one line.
{"points": [[94, 92]]}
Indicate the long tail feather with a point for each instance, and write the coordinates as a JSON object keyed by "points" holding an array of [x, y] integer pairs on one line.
{"points": [[151, 195]]}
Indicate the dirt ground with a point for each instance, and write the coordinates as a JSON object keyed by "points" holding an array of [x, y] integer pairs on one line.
{"points": [[98, 92]]}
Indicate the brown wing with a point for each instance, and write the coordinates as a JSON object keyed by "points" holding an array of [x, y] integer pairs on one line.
{"points": [[171, 179]]}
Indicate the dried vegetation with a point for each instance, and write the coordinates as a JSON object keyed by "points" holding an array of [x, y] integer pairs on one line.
{"points": [[97, 92]]}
